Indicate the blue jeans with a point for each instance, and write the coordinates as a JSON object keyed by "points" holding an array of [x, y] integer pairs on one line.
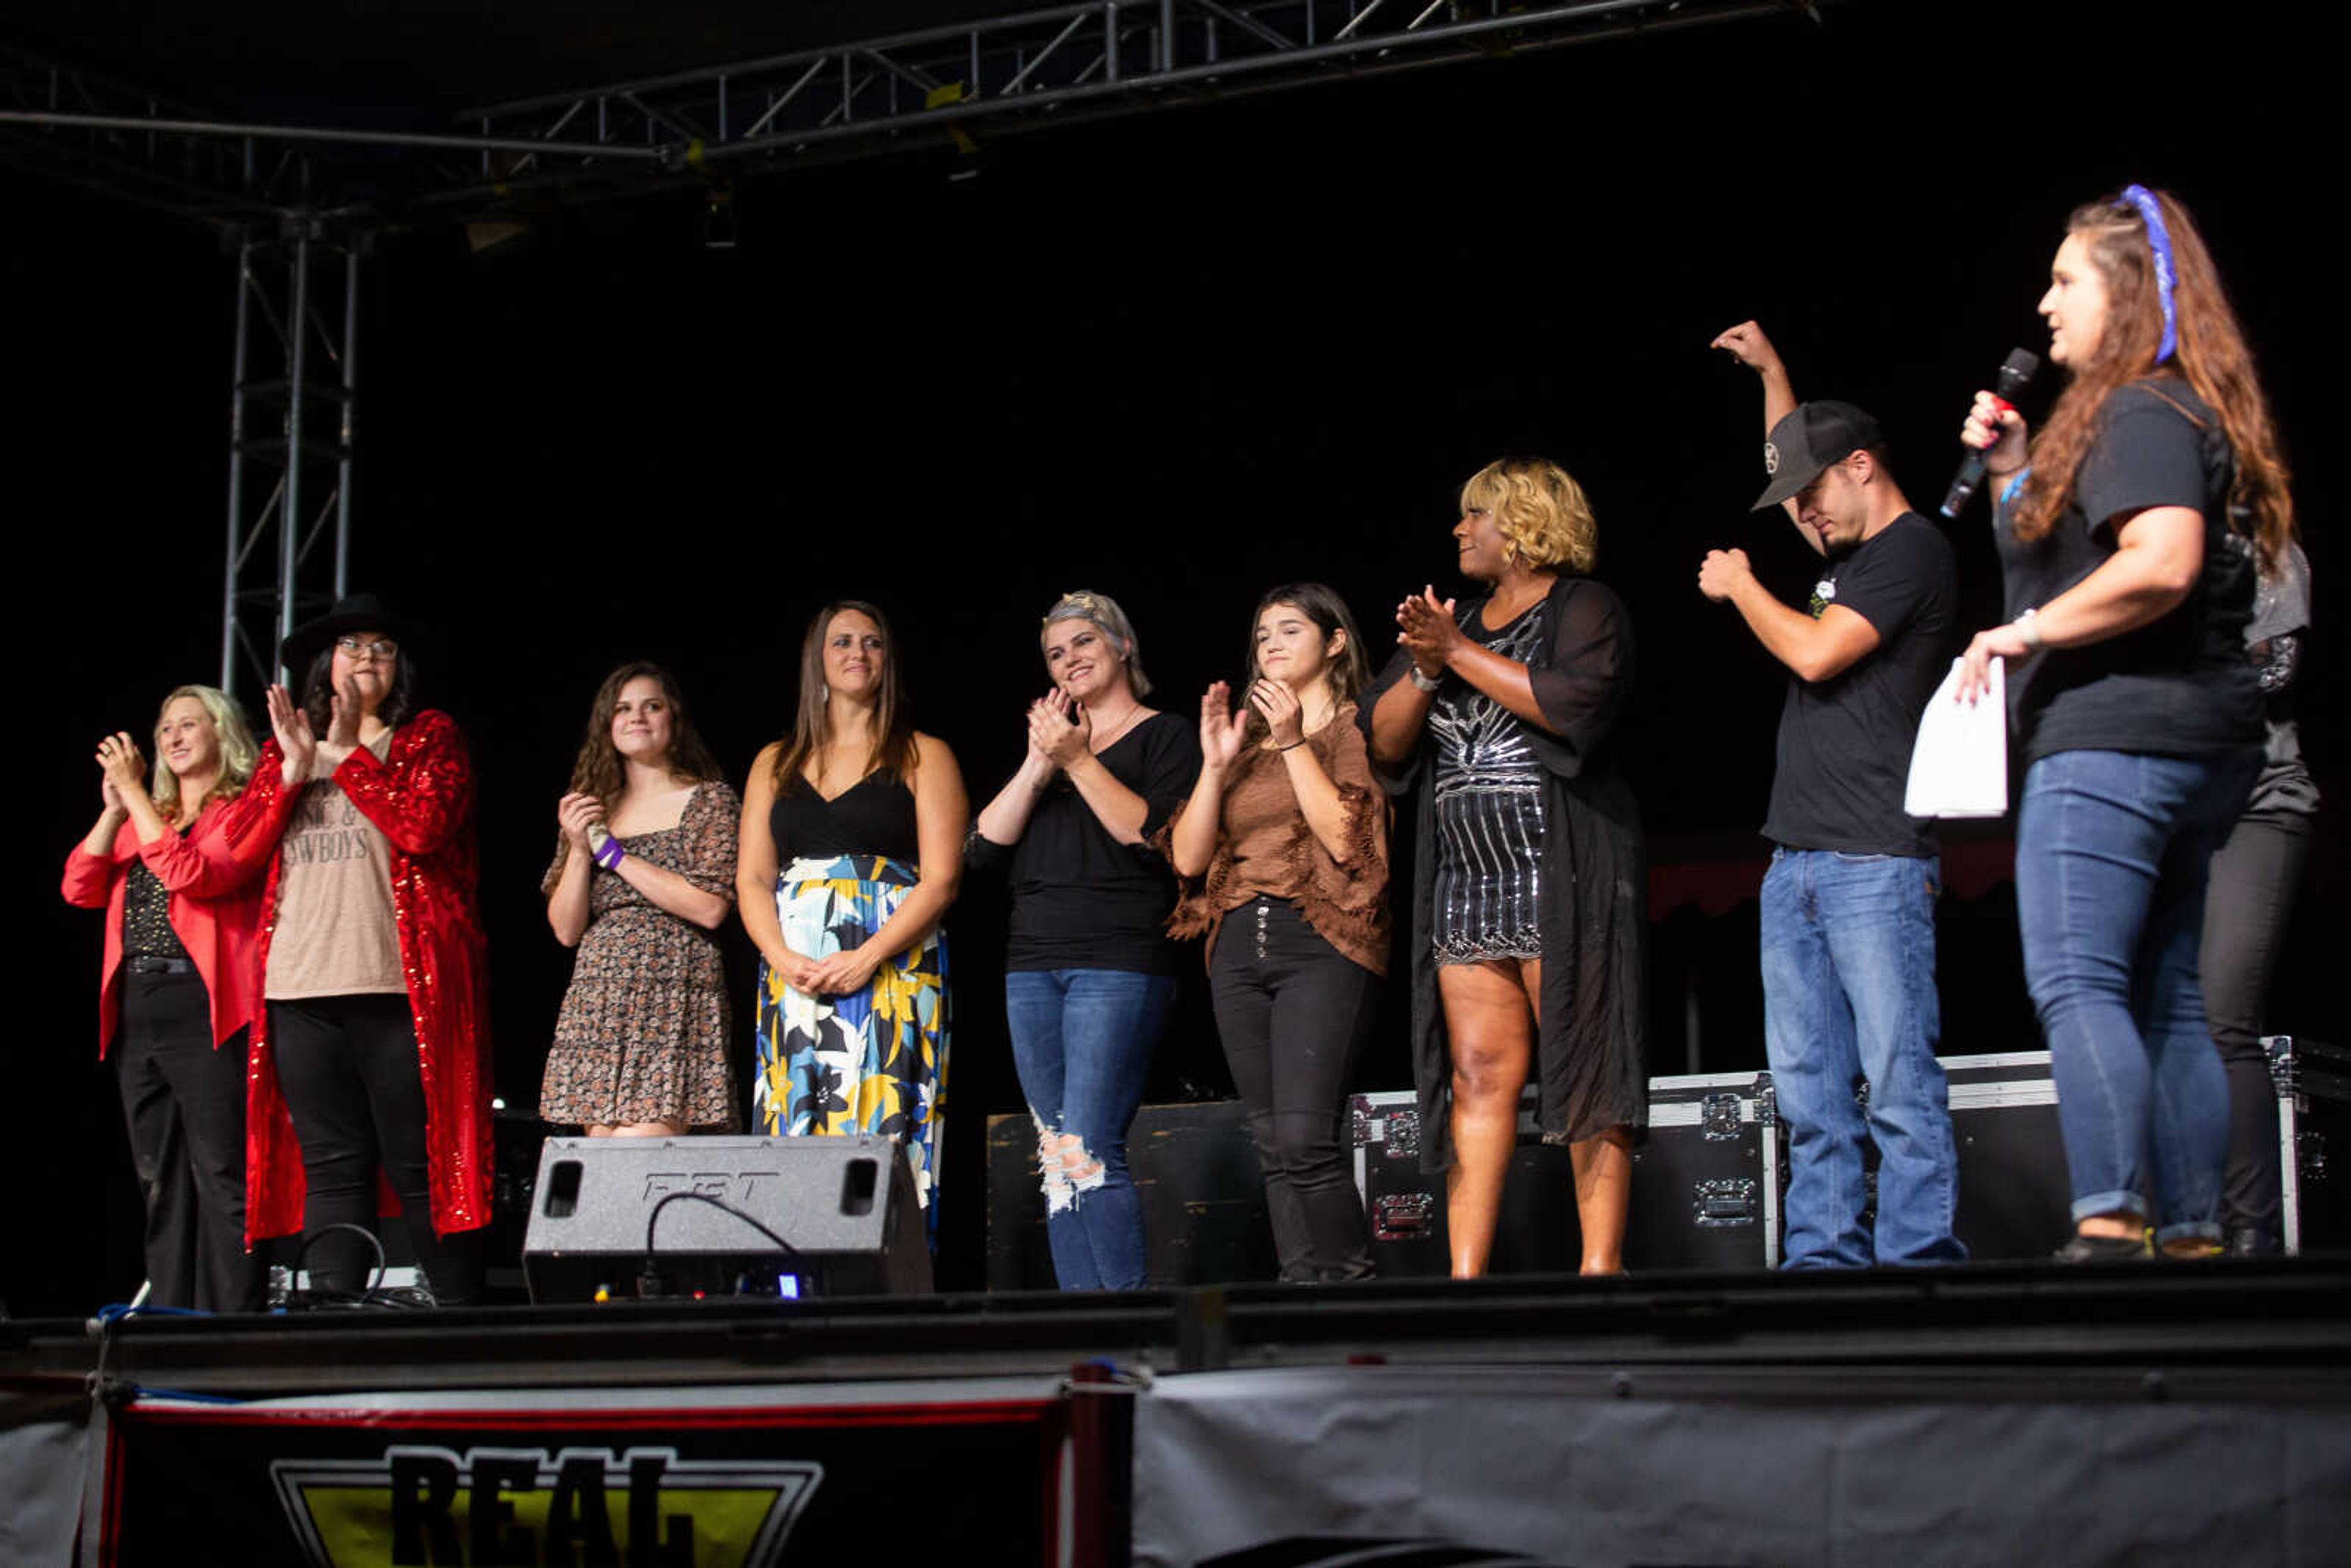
{"points": [[2112, 852], [1082, 1040], [1849, 997]]}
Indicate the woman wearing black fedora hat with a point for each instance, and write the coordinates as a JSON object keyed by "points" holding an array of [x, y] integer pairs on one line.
{"points": [[373, 1049]]}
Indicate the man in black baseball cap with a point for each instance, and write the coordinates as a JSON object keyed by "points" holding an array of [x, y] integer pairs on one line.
{"points": [[1848, 923], [1806, 440]]}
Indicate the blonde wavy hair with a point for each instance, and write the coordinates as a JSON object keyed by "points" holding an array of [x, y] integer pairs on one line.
{"points": [[238, 752], [1542, 512]]}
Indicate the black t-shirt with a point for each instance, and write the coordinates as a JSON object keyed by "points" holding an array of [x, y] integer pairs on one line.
{"points": [[1844, 742], [2178, 687], [1081, 900]]}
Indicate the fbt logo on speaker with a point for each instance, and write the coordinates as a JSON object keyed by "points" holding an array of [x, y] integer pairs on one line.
{"points": [[738, 1186], [638, 1508]]}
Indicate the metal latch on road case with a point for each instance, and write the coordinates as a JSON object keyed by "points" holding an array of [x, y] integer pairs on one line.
{"points": [[1718, 1118], [1401, 1216], [1724, 1200]]}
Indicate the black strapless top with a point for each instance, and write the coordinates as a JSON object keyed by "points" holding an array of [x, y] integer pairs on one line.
{"points": [[875, 816]]}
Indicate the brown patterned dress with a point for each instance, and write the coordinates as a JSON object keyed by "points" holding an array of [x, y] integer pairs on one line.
{"points": [[645, 1029]]}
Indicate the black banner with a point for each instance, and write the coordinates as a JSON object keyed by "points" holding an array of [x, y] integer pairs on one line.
{"points": [[546, 1479]]}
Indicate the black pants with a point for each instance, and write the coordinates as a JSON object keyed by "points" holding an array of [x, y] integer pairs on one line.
{"points": [[1293, 1012], [183, 1103], [2247, 903], [348, 1067]]}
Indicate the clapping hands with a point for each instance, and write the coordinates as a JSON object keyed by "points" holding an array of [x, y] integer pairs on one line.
{"points": [[1427, 630], [120, 769], [1222, 726], [1278, 706], [1060, 729], [291, 725]]}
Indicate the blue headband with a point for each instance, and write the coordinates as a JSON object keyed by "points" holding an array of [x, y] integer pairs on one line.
{"points": [[2158, 240]]}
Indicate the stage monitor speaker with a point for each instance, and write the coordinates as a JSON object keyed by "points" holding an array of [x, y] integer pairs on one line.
{"points": [[724, 1216]]}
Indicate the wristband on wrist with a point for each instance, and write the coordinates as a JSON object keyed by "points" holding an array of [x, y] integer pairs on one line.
{"points": [[1293, 745], [2028, 627], [610, 854], [1426, 683]]}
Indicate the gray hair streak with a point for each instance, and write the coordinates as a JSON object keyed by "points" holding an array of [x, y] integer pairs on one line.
{"points": [[1085, 604]]}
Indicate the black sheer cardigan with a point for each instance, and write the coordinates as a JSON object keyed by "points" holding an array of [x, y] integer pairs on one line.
{"points": [[1591, 1046]]}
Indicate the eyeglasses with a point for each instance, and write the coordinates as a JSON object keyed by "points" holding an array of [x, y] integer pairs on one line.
{"points": [[381, 647]]}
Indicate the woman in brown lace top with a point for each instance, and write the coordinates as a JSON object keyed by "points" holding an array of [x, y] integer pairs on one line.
{"points": [[1283, 853]]}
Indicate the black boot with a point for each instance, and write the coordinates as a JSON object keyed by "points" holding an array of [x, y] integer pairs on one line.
{"points": [[2253, 1241], [2103, 1250]]}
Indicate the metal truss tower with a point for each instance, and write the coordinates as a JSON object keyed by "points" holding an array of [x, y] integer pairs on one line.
{"points": [[293, 388], [293, 372], [299, 252]]}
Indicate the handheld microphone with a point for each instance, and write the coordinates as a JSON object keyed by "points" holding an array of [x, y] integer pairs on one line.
{"points": [[2015, 371]]}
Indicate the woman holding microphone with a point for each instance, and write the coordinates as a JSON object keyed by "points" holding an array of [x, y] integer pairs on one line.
{"points": [[2129, 529]]}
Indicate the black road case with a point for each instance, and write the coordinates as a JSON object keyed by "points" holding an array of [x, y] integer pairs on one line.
{"points": [[2015, 1203], [2314, 1088], [1706, 1185]]}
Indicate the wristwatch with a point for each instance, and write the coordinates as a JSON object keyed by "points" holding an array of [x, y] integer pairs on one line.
{"points": [[1426, 683]]}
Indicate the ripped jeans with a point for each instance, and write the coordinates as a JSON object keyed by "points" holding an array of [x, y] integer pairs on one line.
{"points": [[1082, 1040]]}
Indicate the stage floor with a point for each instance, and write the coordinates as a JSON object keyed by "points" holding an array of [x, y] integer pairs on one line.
{"points": [[2187, 1413]]}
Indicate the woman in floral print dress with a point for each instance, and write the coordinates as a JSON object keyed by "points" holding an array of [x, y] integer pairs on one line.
{"points": [[643, 875]]}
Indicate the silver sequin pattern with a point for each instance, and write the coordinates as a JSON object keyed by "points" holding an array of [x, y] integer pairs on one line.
{"points": [[1489, 818]]}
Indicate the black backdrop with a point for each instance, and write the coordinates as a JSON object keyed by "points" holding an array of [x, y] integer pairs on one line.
{"points": [[1177, 359]]}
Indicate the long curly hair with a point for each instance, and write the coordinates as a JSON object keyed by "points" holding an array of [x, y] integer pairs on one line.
{"points": [[238, 752], [893, 755], [598, 771], [2211, 357]]}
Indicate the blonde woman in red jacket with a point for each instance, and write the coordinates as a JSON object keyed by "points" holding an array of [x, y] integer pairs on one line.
{"points": [[372, 1046], [177, 995]]}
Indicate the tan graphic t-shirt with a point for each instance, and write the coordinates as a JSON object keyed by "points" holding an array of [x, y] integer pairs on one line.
{"points": [[335, 935]]}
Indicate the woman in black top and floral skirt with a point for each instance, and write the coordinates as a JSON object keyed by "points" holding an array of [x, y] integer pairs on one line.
{"points": [[852, 851], [1529, 886]]}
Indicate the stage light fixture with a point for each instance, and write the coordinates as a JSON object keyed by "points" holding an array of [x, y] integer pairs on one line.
{"points": [[718, 218]]}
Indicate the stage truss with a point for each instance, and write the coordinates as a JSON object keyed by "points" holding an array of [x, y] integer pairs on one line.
{"points": [[1058, 66], [293, 385], [297, 210]]}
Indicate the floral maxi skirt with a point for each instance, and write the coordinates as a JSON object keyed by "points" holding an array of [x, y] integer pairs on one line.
{"points": [[875, 1062]]}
